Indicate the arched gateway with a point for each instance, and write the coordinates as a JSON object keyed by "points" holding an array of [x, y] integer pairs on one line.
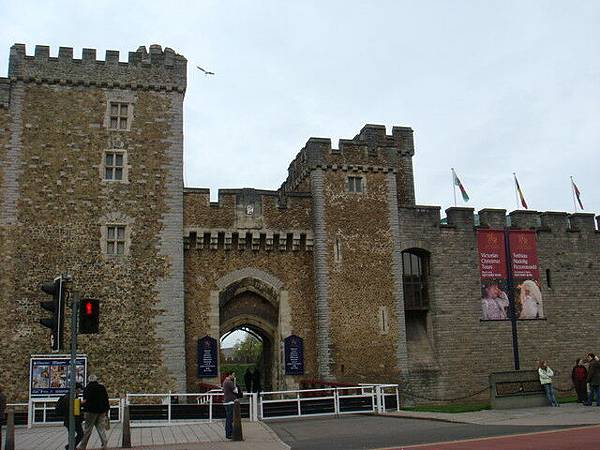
{"points": [[250, 299], [255, 300]]}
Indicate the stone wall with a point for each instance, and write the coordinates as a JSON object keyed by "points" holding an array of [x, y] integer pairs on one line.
{"points": [[465, 348], [55, 204], [361, 279], [218, 253]]}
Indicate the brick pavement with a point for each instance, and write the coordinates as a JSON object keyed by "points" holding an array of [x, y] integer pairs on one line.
{"points": [[258, 436]]}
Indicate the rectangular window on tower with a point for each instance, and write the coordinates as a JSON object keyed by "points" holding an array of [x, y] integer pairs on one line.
{"points": [[114, 165], [115, 240], [119, 116], [355, 184]]}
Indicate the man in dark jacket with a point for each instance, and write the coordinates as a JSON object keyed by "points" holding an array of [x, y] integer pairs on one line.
{"points": [[63, 406], [95, 402], [593, 379]]}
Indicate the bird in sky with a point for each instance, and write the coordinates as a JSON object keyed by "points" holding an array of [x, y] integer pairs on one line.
{"points": [[206, 72]]}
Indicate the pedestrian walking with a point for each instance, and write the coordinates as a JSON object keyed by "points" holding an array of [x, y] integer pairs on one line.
{"points": [[228, 400], [2, 411], [579, 377], [256, 381], [95, 402], [593, 378], [546, 374], [63, 408], [248, 380]]}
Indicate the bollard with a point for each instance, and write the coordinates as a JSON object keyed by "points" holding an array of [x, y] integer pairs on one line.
{"points": [[126, 441], [237, 434], [10, 430]]}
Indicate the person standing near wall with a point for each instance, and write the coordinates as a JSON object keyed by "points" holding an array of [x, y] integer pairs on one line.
{"points": [[579, 377], [228, 400], [95, 401], [256, 381], [63, 407], [593, 378], [546, 374], [248, 380], [2, 411]]}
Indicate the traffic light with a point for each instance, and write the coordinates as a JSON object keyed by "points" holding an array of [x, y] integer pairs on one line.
{"points": [[89, 316], [56, 306]]}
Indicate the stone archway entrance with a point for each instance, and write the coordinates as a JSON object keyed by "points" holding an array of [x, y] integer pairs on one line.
{"points": [[255, 300]]}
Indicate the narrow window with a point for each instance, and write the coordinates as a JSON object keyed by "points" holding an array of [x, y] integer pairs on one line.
{"points": [[119, 116], [355, 184], [548, 278], [115, 240], [383, 320], [113, 165], [415, 271], [337, 251]]}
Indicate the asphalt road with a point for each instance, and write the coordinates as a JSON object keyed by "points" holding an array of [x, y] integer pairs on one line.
{"points": [[368, 432]]}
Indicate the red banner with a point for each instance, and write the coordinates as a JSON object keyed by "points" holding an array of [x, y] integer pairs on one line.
{"points": [[492, 256], [526, 274], [493, 273]]}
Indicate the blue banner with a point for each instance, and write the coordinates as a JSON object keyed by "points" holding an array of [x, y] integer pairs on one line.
{"points": [[294, 355], [207, 357]]}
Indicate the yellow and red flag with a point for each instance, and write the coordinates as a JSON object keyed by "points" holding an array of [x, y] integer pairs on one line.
{"points": [[520, 192]]}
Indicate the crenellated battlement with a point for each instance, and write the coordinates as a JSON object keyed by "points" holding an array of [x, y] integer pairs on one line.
{"points": [[4, 92], [370, 149], [153, 69], [548, 221]]}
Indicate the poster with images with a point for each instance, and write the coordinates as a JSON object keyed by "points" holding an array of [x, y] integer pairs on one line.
{"points": [[49, 375], [493, 275], [526, 275]]}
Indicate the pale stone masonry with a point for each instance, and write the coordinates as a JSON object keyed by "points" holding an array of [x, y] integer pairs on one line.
{"points": [[321, 258]]}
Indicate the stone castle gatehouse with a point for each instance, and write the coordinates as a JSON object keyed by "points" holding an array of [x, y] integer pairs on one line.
{"points": [[379, 288]]}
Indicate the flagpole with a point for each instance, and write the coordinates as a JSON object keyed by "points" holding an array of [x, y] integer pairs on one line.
{"points": [[516, 192], [453, 185], [573, 192]]}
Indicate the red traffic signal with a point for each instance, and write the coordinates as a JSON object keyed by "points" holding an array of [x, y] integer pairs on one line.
{"points": [[89, 316]]}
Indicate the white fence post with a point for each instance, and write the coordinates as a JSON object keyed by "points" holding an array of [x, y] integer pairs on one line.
{"points": [[210, 408], [169, 408]]}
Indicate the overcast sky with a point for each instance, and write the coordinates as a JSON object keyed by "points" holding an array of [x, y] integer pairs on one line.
{"points": [[489, 87]]}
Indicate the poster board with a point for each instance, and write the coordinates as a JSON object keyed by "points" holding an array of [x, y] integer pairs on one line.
{"points": [[49, 374]]}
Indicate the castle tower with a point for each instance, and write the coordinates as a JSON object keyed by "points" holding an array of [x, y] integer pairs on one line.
{"points": [[356, 190], [91, 183]]}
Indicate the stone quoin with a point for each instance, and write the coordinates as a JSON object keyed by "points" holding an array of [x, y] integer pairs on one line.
{"points": [[91, 183]]}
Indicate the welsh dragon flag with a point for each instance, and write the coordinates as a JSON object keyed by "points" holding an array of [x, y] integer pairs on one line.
{"points": [[463, 191]]}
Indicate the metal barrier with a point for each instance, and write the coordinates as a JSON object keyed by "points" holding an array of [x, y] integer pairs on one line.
{"points": [[329, 401], [168, 408], [148, 409], [41, 411]]}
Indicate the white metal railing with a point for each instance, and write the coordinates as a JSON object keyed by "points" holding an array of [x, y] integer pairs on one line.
{"points": [[263, 406], [45, 405], [327, 401], [211, 400]]}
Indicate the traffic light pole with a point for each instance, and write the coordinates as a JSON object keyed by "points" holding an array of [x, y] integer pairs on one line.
{"points": [[72, 374]]}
